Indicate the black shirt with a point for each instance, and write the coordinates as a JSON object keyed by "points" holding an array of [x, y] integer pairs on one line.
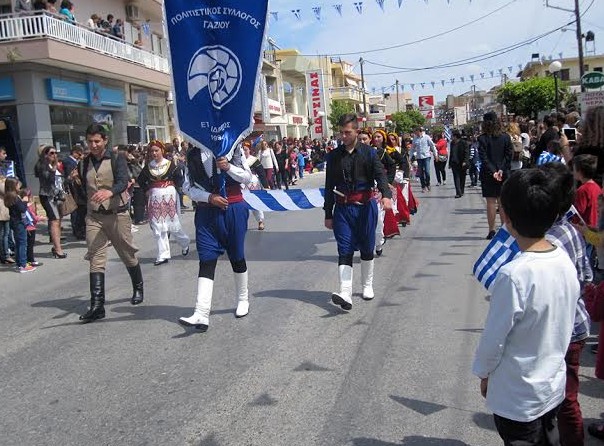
{"points": [[355, 171]]}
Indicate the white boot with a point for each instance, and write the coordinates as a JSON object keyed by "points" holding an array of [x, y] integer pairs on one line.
{"points": [[344, 297], [201, 317], [243, 304], [367, 279]]}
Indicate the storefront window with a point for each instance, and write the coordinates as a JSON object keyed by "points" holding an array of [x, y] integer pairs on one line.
{"points": [[69, 125]]}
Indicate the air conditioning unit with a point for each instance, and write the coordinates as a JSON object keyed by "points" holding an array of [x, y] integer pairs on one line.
{"points": [[132, 12]]}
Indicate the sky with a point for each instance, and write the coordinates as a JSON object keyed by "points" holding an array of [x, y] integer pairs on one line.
{"points": [[510, 23]]}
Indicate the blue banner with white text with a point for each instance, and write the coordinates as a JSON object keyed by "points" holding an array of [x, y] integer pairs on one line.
{"points": [[216, 51]]}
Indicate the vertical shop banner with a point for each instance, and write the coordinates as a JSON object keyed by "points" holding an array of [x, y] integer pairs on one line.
{"points": [[316, 103], [426, 106], [216, 55]]}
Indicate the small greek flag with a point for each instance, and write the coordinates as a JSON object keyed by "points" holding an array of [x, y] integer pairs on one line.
{"points": [[501, 250], [448, 134], [8, 169], [28, 219], [547, 157], [284, 200], [257, 140]]}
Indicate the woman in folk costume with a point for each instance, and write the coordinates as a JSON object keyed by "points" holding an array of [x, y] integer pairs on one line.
{"points": [[159, 179], [400, 182], [387, 226], [257, 170]]}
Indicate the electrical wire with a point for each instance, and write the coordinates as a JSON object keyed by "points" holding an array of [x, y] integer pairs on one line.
{"points": [[460, 62], [424, 39]]}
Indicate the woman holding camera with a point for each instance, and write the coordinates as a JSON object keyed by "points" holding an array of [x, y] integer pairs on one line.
{"points": [[49, 172]]}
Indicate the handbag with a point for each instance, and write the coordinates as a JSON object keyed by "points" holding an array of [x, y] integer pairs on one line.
{"points": [[68, 205], [443, 158]]}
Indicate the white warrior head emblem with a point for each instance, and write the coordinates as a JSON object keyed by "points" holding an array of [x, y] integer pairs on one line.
{"points": [[217, 68]]}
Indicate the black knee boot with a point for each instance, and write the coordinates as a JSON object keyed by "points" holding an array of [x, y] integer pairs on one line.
{"points": [[136, 275], [97, 298]]}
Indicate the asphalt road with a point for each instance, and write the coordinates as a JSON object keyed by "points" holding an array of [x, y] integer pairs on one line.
{"points": [[296, 371]]}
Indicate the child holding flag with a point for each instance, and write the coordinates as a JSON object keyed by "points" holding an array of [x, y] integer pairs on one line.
{"points": [[520, 358]]}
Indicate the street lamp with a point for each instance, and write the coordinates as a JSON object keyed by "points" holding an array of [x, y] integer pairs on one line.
{"points": [[555, 68]]}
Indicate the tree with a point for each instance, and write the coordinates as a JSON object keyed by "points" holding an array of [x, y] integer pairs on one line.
{"points": [[338, 109], [529, 97], [406, 121]]}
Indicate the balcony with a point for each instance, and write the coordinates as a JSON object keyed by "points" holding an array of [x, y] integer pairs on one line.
{"points": [[46, 39], [354, 94]]}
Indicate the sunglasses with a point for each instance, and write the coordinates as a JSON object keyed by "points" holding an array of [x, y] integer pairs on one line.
{"points": [[52, 153]]}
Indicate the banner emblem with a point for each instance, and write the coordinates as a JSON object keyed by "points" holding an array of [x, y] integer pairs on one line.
{"points": [[217, 68]]}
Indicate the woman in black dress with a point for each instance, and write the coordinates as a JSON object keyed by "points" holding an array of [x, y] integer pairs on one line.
{"points": [[495, 151]]}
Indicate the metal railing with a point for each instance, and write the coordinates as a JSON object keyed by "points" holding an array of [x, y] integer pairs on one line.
{"points": [[19, 27]]}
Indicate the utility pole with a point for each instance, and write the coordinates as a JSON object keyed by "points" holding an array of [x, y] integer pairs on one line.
{"points": [[398, 102], [580, 43], [362, 62], [577, 13]]}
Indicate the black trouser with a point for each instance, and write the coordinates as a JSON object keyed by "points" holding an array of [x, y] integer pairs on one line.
{"points": [[282, 178], [459, 178], [540, 432], [139, 202], [441, 172], [78, 221], [31, 241], [473, 174]]}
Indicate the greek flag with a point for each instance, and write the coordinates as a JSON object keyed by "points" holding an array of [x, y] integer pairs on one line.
{"points": [[284, 200], [448, 134], [8, 169], [501, 250], [572, 214], [28, 219], [547, 157]]}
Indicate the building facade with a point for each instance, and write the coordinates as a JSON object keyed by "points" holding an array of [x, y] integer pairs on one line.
{"points": [[58, 77]]}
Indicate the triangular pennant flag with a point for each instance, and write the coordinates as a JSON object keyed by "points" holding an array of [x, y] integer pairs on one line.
{"points": [[482, 75], [400, 2], [297, 13], [412, 86], [520, 66], [560, 55], [338, 8], [510, 69], [423, 84], [275, 15], [380, 4], [492, 73], [393, 87], [402, 87], [373, 90], [433, 83], [359, 6], [463, 79], [452, 80], [442, 82], [500, 71], [472, 77], [317, 11]]}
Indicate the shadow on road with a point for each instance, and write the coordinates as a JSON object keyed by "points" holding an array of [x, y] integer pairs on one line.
{"points": [[451, 238], [414, 440], [319, 299], [469, 211], [279, 247]]}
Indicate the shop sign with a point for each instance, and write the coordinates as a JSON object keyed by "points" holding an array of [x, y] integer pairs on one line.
{"points": [[593, 80], [591, 99], [316, 103], [274, 107]]}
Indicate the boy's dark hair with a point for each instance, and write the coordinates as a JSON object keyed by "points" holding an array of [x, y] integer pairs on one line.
{"points": [[587, 165], [2, 149], [564, 184], [554, 147], [530, 201], [348, 118], [96, 129], [456, 134]]}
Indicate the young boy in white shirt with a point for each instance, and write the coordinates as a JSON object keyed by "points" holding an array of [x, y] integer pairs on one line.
{"points": [[520, 358]]}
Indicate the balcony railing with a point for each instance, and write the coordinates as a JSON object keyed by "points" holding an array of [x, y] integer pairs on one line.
{"points": [[347, 93], [18, 27]]}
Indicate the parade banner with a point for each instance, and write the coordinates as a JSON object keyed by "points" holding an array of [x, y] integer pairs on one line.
{"points": [[216, 56], [316, 103], [284, 200]]}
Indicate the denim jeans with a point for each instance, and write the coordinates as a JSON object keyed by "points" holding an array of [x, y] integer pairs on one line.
{"points": [[20, 234], [4, 234], [423, 170]]}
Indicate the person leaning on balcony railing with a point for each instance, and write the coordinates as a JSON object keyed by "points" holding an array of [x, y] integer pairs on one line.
{"points": [[23, 5], [67, 9], [51, 6]]}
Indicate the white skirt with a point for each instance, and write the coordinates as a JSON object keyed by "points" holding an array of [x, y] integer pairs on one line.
{"points": [[163, 209]]}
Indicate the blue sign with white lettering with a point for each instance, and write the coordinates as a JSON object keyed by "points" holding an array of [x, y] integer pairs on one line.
{"points": [[216, 51]]}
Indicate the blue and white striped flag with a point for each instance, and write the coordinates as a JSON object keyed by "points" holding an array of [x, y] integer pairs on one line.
{"points": [[448, 134], [502, 249], [547, 157], [284, 200], [8, 169], [572, 214]]}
